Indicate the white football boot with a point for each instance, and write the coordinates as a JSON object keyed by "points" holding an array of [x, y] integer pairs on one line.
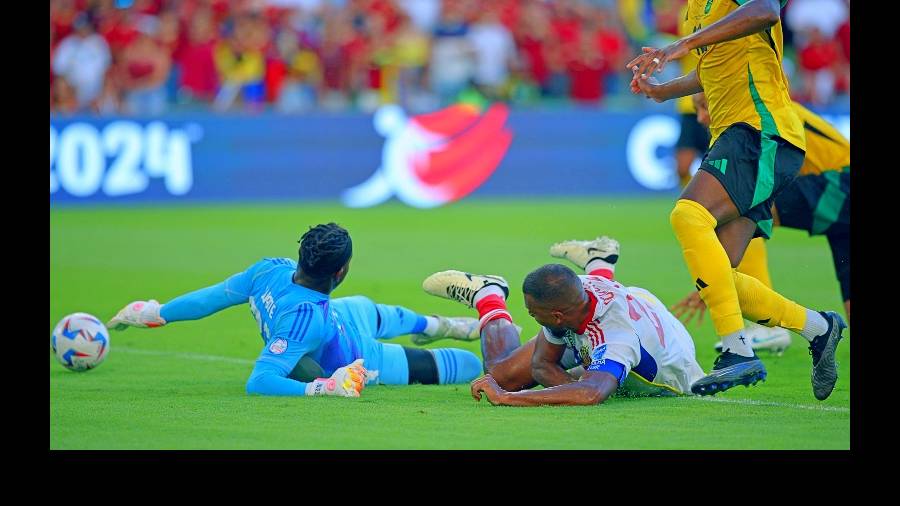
{"points": [[461, 328], [461, 286], [582, 252]]}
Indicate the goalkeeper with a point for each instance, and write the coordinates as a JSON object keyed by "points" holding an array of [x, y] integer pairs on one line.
{"points": [[307, 334]]}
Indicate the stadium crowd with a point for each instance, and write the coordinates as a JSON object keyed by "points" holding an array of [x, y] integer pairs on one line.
{"points": [[147, 57]]}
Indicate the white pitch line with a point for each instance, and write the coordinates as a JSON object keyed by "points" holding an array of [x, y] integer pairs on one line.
{"points": [[751, 402], [242, 361], [185, 355]]}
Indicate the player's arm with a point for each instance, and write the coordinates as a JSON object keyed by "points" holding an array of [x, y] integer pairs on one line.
{"points": [[297, 334], [610, 362], [682, 86], [270, 379], [545, 368], [593, 388], [752, 17], [190, 306], [702, 108]]}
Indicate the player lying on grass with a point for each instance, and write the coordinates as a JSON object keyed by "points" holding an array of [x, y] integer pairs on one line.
{"points": [[306, 332], [597, 335], [818, 201]]}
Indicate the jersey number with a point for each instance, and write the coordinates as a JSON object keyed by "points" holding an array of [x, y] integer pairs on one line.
{"points": [[651, 315]]}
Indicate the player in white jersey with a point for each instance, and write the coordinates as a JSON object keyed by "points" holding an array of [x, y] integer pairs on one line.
{"points": [[597, 336]]}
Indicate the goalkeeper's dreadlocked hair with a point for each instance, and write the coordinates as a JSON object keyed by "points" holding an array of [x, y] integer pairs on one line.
{"points": [[324, 249]]}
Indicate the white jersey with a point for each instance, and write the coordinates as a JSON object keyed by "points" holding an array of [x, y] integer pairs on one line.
{"points": [[631, 327]]}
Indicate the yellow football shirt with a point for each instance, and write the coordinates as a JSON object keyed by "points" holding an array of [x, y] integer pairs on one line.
{"points": [[743, 78]]}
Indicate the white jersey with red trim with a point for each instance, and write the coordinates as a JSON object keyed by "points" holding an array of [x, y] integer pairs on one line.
{"points": [[632, 327]]}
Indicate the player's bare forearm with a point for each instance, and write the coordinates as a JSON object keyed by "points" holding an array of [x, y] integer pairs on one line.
{"points": [[752, 17], [688, 84], [545, 366], [593, 389], [550, 375]]}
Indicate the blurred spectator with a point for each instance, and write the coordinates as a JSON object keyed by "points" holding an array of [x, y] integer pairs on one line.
{"points": [[822, 54], [452, 55], [587, 69], [297, 90], [62, 97], [821, 61], [110, 100], [241, 64], [172, 39], [532, 34], [825, 15], [423, 13], [199, 80], [494, 53], [144, 69], [82, 59], [62, 16], [342, 59], [297, 55]]}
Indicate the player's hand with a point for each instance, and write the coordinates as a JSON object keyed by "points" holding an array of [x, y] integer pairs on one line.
{"points": [[655, 60], [142, 314], [491, 389], [347, 381], [650, 88], [690, 306]]}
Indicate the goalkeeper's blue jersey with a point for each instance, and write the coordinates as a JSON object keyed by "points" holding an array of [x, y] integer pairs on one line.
{"points": [[295, 321]]}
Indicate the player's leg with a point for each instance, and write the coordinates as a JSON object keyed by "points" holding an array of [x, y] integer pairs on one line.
{"points": [[401, 365], [504, 359], [597, 257], [840, 254], [737, 176], [755, 264], [726, 171], [756, 261], [705, 206], [820, 205], [398, 365], [388, 321]]}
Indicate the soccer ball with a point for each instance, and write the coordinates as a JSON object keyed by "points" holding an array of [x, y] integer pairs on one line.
{"points": [[80, 342]]}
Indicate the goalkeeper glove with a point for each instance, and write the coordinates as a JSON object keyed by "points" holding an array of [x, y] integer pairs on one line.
{"points": [[138, 314], [347, 381]]}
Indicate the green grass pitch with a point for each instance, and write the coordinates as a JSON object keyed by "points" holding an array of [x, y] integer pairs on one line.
{"points": [[182, 386]]}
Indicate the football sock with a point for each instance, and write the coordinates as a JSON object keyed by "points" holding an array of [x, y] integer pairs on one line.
{"points": [[490, 305], [428, 324], [708, 264], [737, 343], [456, 366], [599, 267], [767, 307], [755, 262]]}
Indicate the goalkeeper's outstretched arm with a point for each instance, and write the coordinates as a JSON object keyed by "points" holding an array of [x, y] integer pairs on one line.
{"points": [[190, 306]]}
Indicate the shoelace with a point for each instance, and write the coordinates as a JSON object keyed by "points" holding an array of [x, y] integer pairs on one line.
{"points": [[815, 351]]}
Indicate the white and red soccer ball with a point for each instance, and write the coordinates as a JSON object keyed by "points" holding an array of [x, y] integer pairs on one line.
{"points": [[80, 342]]}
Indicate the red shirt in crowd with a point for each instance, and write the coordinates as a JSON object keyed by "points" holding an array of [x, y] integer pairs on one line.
{"points": [[198, 69]]}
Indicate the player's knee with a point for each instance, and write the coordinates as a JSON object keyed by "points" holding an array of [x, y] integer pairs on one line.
{"points": [[688, 216]]}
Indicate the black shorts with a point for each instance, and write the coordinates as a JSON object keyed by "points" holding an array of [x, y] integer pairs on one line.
{"points": [[753, 169], [817, 203], [693, 135], [820, 204]]}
